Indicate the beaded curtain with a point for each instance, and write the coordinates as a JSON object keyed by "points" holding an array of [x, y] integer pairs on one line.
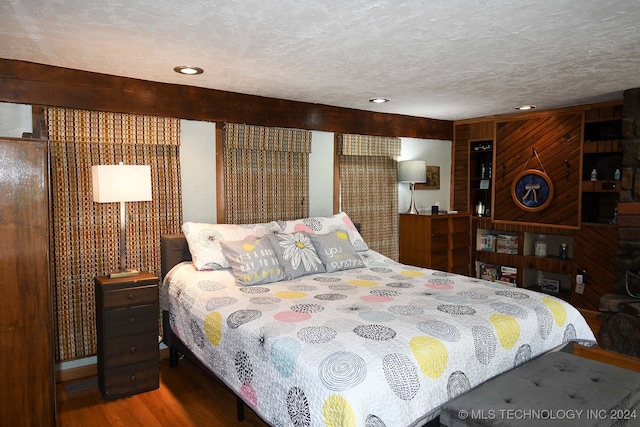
{"points": [[84, 234], [369, 188]]}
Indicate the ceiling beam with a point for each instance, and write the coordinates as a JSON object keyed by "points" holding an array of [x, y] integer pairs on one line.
{"points": [[38, 84]]}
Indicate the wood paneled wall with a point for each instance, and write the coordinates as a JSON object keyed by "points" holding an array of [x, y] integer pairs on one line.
{"points": [[556, 139], [37, 84]]}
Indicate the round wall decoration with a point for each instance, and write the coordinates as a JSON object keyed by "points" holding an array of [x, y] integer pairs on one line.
{"points": [[532, 190]]}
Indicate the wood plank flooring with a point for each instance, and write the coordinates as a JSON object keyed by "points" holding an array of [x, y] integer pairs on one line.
{"points": [[187, 397]]}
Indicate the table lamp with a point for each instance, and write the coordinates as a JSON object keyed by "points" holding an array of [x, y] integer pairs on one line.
{"points": [[121, 183], [412, 171]]}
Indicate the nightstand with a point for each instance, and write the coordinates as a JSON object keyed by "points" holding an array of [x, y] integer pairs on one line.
{"points": [[127, 331]]}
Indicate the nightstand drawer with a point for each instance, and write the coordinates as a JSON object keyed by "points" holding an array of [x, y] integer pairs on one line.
{"points": [[131, 379], [127, 296], [129, 350], [131, 320]]}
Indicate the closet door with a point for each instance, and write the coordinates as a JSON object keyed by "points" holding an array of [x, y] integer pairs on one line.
{"points": [[26, 365]]}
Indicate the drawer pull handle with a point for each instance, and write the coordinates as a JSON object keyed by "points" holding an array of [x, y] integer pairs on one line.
{"points": [[132, 349], [131, 295], [133, 378], [132, 320]]}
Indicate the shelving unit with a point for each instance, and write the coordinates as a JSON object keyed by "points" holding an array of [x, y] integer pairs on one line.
{"points": [[480, 174], [602, 151], [571, 143], [531, 269]]}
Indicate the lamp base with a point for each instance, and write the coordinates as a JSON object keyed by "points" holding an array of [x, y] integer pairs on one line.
{"points": [[124, 273], [412, 207]]}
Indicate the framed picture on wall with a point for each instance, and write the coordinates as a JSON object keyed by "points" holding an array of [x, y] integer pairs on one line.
{"points": [[433, 179]]}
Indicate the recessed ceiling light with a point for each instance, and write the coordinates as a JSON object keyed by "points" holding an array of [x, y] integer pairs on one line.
{"points": [[526, 107], [183, 69], [379, 100]]}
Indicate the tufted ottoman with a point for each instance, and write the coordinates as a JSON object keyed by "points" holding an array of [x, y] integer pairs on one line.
{"points": [[555, 389]]}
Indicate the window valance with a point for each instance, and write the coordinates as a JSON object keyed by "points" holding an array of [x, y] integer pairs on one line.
{"points": [[367, 145], [251, 137], [83, 126]]}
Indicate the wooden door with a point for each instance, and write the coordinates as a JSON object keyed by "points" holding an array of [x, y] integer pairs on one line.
{"points": [[26, 345]]}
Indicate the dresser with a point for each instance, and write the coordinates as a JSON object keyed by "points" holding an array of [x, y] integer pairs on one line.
{"points": [[441, 242], [27, 395], [127, 332]]}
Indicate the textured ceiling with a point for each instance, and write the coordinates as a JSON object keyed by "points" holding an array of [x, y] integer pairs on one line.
{"points": [[444, 59]]}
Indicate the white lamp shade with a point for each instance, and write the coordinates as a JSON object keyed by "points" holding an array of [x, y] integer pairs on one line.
{"points": [[121, 183], [412, 171]]}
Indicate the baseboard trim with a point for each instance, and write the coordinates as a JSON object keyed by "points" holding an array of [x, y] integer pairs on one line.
{"points": [[90, 370]]}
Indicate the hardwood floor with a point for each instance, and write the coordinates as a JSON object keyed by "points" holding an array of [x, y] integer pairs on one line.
{"points": [[187, 397]]}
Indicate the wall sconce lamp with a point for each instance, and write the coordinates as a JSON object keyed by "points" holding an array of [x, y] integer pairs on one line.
{"points": [[412, 171], [121, 183]]}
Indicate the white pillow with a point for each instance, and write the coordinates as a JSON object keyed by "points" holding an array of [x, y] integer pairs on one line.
{"points": [[204, 240], [324, 225]]}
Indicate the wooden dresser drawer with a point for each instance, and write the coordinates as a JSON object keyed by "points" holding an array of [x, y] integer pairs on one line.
{"points": [[460, 240], [131, 320], [439, 243], [127, 296], [460, 225], [129, 350], [131, 379], [439, 226], [440, 261]]}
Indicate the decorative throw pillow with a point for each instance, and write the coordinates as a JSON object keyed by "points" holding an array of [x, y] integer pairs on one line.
{"points": [[204, 240], [253, 261], [335, 251], [323, 225], [296, 254]]}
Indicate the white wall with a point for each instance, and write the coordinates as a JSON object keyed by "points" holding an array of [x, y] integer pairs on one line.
{"points": [[198, 171], [435, 153], [15, 119], [321, 174]]}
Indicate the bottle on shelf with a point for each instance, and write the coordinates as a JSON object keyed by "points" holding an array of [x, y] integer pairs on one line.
{"points": [[616, 175], [540, 246], [564, 251], [594, 175]]}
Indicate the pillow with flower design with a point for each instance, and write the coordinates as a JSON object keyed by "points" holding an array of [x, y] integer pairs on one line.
{"points": [[296, 254], [323, 225]]}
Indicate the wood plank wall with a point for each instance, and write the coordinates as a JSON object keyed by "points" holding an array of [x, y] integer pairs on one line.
{"points": [[556, 139], [37, 84]]}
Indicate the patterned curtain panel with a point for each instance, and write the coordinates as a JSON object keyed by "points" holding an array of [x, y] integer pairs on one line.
{"points": [[266, 173], [369, 188], [85, 235]]}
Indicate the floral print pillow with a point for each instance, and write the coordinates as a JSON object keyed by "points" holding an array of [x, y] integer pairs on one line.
{"points": [[296, 254], [324, 225]]}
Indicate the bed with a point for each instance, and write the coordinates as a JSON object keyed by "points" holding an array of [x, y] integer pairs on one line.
{"points": [[375, 344]]}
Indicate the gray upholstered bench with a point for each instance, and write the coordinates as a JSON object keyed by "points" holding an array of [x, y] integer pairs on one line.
{"points": [[554, 389]]}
